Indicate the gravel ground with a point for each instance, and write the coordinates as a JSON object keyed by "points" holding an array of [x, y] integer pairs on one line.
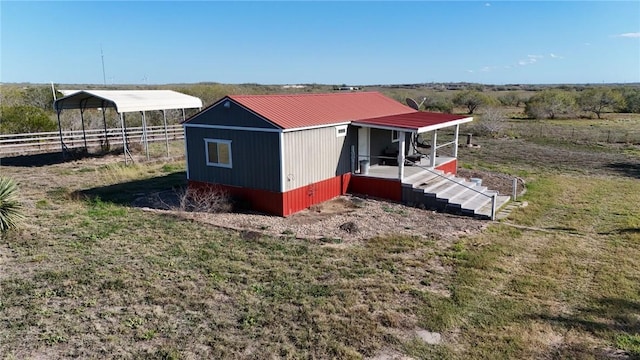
{"points": [[346, 219]]}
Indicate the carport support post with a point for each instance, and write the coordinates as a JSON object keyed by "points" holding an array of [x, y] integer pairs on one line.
{"points": [[432, 156], [166, 134], [84, 135], [60, 133], [104, 122], [401, 138], [144, 134], [124, 138]]}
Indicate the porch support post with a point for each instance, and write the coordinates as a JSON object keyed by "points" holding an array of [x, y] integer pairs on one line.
{"points": [[432, 156], [401, 138], [455, 141]]}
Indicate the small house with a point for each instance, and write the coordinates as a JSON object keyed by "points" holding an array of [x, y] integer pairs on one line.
{"points": [[284, 153]]}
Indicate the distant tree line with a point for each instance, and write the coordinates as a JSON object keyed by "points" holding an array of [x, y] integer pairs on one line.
{"points": [[29, 108], [550, 103]]}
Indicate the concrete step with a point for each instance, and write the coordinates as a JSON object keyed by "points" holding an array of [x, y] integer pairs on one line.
{"points": [[438, 184], [485, 210], [457, 186], [451, 194], [421, 177], [477, 202], [422, 181], [468, 194]]}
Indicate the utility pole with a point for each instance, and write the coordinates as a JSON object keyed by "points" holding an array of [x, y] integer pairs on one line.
{"points": [[104, 76]]}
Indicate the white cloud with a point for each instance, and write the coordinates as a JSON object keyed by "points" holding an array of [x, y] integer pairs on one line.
{"points": [[469, 71], [629, 35], [555, 56], [587, 44], [531, 59], [486, 69], [487, 4]]}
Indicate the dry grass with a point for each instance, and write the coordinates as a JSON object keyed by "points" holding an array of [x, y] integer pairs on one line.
{"points": [[90, 278]]}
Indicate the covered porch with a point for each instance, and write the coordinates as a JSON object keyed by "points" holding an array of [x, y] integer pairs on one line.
{"points": [[410, 169], [403, 146]]}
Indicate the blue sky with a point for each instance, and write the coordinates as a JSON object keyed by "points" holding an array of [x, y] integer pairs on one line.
{"points": [[356, 43]]}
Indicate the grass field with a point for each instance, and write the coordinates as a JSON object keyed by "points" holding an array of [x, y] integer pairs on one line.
{"points": [[85, 277]]}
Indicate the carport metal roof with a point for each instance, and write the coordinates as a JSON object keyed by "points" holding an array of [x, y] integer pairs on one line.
{"points": [[126, 100]]}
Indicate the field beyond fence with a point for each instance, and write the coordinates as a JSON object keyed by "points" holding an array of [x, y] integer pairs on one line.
{"points": [[579, 133]]}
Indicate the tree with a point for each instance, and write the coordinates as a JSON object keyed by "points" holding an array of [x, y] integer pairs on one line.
{"points": [[24, 119], [9, 207], [598, 100], [39, 96], [492, 122], [550, 104], [438, 104], [471, 99], [510, 99], [631, 100]]}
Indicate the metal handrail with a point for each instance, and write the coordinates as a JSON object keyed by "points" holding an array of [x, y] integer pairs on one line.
{"points": [[493, 197]]}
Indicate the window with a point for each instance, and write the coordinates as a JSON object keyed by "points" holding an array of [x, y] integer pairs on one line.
{"points": [[218, 152], [341, 130], [395, 136]]}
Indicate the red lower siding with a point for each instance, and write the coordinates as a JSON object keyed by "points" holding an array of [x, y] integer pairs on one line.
{"points": [[390, 189], [284, 204], [306, 196], [450, 167], [260, 200]]}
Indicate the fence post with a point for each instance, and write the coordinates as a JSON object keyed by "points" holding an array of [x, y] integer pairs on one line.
{"points": [[515, 189], [493, 206]]}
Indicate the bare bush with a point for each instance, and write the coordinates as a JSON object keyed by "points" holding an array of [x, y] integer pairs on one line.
{"points": [[210, 200], [492, 122]]}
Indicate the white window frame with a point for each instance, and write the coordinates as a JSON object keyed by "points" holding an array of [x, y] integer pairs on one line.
{"points": [[218, 141], [395, 136], [341, 130]]}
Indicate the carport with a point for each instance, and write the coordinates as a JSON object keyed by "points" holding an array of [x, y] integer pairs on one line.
{"points": [[124, 101]]}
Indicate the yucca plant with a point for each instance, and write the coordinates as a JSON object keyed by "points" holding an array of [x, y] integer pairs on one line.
{"points": [[10, 212]]}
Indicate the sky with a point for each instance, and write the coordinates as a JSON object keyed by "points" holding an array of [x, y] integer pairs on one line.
{"points": [[335, 42]]}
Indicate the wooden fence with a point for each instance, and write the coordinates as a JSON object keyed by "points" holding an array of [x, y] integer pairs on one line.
{"points": [[15, 144]]}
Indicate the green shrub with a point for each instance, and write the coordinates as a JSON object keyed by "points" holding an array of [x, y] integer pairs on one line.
{"points": [[25, 119], [9, 207]]}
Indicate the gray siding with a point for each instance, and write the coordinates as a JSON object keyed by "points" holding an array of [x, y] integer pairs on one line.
{"points": [[315, 155], [235, 115], [255, 158]]}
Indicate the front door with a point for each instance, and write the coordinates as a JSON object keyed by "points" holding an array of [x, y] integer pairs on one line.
{"points": [[363, 144]]}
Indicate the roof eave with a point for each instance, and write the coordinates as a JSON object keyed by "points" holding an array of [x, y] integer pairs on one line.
{"points": [[384, 127], [418, 130], [444, 125]]}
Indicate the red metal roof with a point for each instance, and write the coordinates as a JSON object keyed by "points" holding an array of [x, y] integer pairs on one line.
{"points": [[415, 121], [308, 110]]}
